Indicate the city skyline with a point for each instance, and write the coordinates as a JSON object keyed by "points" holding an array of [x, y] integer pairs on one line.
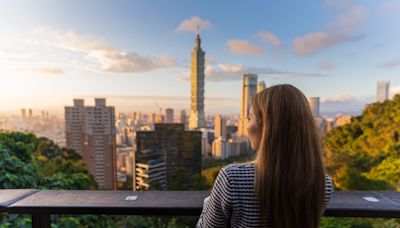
{"points": [[47, 58]]}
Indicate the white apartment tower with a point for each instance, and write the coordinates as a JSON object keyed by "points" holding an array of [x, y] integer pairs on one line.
{"points": [[314, 105], [382, 91]]}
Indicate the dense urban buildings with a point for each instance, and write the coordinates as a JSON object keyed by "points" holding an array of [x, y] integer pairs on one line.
{"points": [[382, 91], [167, 149], [197, 117], [90, 131], [49, 126]]}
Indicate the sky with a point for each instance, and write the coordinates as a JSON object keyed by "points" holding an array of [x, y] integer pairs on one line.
{"points": [[137, 53]]}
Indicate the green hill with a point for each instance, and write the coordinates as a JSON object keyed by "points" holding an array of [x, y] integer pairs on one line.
{"points": [[365, 154]]}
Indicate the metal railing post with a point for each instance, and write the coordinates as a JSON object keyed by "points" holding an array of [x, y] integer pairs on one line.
{"points": [[41, 220]]}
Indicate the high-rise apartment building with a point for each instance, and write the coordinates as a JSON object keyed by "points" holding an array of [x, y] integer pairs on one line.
{"points": [[90, 131], [219, 127], [183, 118], [30, 114], [314, 105], [169, 115], [162, 152], [260, 86], [159, 118], [220, 148], [23, 114], [249, 89], [382, 91], [197, 118]]}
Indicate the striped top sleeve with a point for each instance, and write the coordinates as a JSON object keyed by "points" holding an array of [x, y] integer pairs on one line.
{"points": [[217, 207], [328, 189]]}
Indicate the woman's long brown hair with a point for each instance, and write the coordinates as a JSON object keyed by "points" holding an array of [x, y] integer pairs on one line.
{"points": [[290, 175]]}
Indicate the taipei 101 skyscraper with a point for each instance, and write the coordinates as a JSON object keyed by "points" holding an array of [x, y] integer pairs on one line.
{"points": [[197, 118]]}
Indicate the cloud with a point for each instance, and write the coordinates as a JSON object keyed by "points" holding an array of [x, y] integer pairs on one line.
{"points": [[342, 29], [344, 103], [326, 65], [390, 7], [99, 55], [378, 45], [209, 59], [270, 38], [234, 71], [16, 55], [315, 42], [394, 90], [243, 47], [50, 70], [391, 64], [190, 25], [338, 98], [350, 17]]}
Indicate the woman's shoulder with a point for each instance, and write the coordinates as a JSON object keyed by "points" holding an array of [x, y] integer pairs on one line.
{"points": [[239, 169]]}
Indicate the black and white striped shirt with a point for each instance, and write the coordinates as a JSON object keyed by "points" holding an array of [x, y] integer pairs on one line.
{"points": [[232, 199]]}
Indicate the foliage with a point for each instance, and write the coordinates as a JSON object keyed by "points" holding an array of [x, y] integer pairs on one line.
{"points": [[30, 162], [329, 222], [365, 154]]}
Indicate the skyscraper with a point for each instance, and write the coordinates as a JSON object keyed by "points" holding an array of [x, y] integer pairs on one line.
{"points": [[382, 91], [249, 89], [159, 118], [23, 113], [219, 127], [261, 86], [169, 115], [164, 151], [197, 117], [220, 148], [30, 114], [183, 117], [90, 131], [314, 105], [151, 117]]}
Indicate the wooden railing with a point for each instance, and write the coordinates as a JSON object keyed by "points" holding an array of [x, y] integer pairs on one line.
{"points": [[42, 203]]}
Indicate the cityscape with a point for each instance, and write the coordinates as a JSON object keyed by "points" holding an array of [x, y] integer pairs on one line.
{"points": [[157, 101], [139, 146]]}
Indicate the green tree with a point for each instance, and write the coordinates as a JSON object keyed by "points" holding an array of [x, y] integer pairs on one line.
{"points": [[30, 162], [365, 155]]}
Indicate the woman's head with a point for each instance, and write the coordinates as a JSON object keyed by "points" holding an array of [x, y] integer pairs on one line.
{"points": [[290, 174], [277, 105]]}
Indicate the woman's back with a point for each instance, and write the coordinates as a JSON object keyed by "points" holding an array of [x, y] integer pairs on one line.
{"points": [[233, 200], [286, 185]]}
